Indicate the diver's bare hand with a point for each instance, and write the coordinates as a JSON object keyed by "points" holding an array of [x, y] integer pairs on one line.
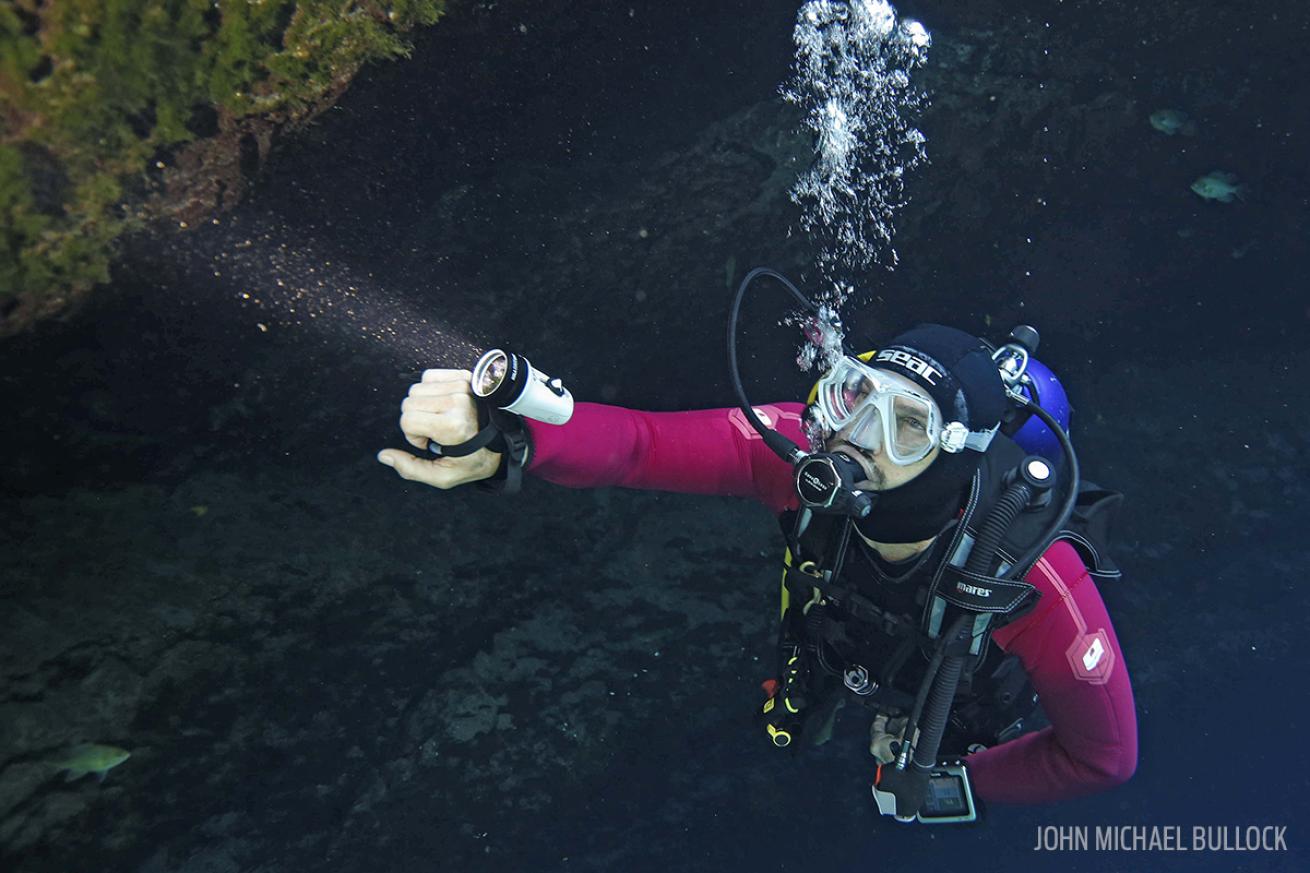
{"points": [[441, 408]]}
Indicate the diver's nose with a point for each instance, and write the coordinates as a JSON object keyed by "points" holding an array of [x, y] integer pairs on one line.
{"points": [[873, 451]]}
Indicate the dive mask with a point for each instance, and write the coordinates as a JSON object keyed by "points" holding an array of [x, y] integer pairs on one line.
{"points": [[879, 411]]}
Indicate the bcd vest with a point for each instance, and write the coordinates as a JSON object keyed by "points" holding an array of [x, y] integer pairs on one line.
{"points": [[881, 622]]}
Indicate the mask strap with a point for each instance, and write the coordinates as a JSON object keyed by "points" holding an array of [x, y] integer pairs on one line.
{"points": [[956, 438]]}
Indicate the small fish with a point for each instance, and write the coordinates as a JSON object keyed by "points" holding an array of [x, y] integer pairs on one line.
{"points": [[1219, 186], [1242, 250], [199, 510], [90, 758], [1171, 122]]}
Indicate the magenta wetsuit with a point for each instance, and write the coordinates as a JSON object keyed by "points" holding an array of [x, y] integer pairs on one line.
{"points": [[1066, 644]]}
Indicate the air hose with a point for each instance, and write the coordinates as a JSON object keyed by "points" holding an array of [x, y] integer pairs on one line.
{"points": [[781, 446], [948, 657]]}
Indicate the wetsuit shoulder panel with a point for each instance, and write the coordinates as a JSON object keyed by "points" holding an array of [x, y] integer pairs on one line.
{"points": [[1069, 649]]}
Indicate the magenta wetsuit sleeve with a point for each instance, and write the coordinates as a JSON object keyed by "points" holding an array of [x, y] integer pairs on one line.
{"points": [[710, 451], [1072, 656]]}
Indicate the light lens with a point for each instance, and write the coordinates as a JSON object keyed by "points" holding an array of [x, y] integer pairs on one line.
{"points": [[490, 373]]}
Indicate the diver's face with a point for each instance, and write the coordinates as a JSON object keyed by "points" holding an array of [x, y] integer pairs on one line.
{"points": [[878, 408], [880, 474]]}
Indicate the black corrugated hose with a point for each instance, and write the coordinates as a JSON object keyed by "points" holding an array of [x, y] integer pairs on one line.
{"points": [[944, 684]]}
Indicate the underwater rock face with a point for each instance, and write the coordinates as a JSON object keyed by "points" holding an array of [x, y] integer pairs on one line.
{"points": [[121, 114]]}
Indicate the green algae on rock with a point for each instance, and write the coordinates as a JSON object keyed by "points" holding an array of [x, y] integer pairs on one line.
{"points": [[117, 112]]}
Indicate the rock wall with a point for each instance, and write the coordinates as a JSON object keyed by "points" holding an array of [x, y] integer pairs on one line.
{"points": [[116, 114]]}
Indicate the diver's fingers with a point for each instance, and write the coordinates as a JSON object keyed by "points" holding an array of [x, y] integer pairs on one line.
{"points": [[419, 427], [440, 403], [448, 428], [441, 473], [437, 376], [429, 472], [441, 389], [440, 382]]}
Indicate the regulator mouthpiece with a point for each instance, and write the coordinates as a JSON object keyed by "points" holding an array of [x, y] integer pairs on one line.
{"points": [[507, 381], [826, 481]]}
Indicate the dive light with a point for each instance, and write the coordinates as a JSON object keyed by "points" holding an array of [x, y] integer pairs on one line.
{"points": [[508, 381]]}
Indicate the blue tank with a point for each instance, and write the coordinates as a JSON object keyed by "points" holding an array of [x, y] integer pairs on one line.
{"points": [[1045, 390]]}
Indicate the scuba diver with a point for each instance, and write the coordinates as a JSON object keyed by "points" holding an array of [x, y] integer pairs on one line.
{"points": [[941, 549]]}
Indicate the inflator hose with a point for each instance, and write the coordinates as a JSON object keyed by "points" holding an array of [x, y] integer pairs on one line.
{"points": [[1073, 477]]}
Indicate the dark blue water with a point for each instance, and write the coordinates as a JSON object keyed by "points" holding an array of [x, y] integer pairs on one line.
{"points": [[318, 667]]}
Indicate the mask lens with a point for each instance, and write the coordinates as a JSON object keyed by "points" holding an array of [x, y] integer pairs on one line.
{"points": [[855, 390], [867, 431], [844, 394], [911, 436]]}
